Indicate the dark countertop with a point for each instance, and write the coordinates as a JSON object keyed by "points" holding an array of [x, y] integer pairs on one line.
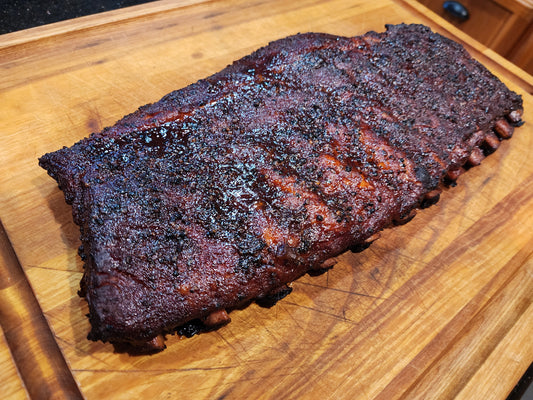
{"points": [[17, 15]]}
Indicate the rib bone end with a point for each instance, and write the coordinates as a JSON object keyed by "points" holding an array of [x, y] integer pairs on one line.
{"points": [[431, 198], [491, 143], [217, 319], [503, 129], [516, 115], [476, 157], [453, 174]]}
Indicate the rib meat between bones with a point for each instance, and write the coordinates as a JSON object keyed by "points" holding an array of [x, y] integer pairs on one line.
{"points": [[223, 192]]}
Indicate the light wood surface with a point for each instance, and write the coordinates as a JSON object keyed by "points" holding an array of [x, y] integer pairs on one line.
{"points": [[34, 351], [438, 308], [12, 385]]}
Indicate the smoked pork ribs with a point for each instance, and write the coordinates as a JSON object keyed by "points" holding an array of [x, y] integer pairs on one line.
{"points": [[225, 191]]}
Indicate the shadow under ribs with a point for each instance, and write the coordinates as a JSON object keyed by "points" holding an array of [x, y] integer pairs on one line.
{"points": [[227, 190]]}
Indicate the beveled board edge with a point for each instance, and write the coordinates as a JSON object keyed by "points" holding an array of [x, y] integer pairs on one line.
{"points": [[92, 21], [40, 363]]}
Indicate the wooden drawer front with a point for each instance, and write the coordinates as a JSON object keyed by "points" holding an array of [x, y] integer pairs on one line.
{"points": [[502, 25], [487, 18]]}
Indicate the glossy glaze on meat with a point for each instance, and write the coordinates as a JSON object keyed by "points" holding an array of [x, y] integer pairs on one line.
{"points": [[223, 192]]}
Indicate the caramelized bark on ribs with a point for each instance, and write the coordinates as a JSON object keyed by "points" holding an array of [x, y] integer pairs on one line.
{"points": [[223, 192]]}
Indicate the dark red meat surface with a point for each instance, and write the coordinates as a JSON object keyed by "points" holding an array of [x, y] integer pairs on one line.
{"points": [[223, 192]]}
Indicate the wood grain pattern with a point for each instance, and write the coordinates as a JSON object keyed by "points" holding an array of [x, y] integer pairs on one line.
{"points": [[12, 385], [438, 308], [27, 334]]}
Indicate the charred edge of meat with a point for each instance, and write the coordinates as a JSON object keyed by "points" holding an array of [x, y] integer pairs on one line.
{"points": [[140, 348], [503, 129], [323, 267], [272, 298], [403, 219], [430, 198], [357, 248], [212, 322]]}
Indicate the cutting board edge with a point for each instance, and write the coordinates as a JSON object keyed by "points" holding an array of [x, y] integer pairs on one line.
{"points": [[92, 21], [41, 365]]}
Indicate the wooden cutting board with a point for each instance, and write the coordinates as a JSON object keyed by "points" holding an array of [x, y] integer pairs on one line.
{"points": [[438, 308]]}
